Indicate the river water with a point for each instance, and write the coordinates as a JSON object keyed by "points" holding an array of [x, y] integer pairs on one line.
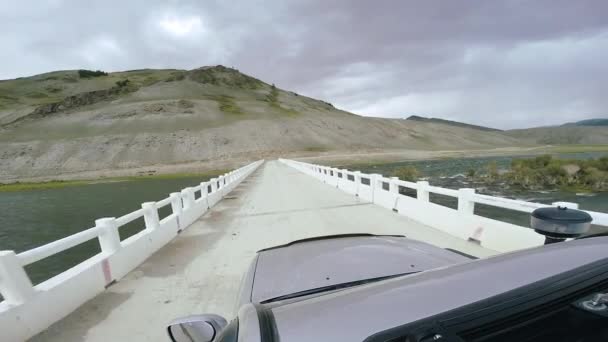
{"points": [[32, 218]]}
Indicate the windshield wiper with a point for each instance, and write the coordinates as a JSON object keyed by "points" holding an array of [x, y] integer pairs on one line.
{"points": [[332, 288]]}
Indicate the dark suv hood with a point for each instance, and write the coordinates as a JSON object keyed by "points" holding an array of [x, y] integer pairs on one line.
{"points": [[315, 263]]}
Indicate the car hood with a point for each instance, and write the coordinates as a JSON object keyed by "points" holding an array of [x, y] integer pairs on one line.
{"points": [[312, 264], [357, 313]]}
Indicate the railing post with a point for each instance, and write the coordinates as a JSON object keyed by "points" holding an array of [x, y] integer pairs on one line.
{"points": [[373, 182], [392, 185], [151, 215], [188, 198], [213, 184], [465, 201], [568, 205], [357, 175], [204, 189], [15, 286], [422, 192], [109, 240], [176, 203]]}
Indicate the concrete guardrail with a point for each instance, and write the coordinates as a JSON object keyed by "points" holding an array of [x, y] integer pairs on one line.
{"points": [[461, 222], [28, 309]]}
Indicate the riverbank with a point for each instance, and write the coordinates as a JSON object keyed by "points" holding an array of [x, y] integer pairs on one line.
{"points": [[362, 157], [55, 184], [370, 158]]}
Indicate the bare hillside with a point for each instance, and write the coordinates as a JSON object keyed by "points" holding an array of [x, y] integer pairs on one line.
{"points": [[60, 124]]}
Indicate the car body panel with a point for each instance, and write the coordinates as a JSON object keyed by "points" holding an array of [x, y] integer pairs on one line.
{"points": [[249, 324], [246, 286], [356, 313], [328, 261]]}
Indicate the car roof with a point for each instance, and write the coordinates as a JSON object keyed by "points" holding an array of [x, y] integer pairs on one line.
{"points": [[328, 261], [357, 313]]}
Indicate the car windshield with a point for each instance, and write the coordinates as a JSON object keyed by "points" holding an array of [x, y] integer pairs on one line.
{"points": [[332, 288]]}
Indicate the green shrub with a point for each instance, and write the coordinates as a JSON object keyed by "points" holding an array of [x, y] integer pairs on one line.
{"points": [[547, 172], [123, 83], [176, 76], [492, 170], [82, 73], [407, 173]]}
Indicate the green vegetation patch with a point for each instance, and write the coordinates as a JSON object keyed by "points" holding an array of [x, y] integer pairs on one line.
{"points": [[545, 172], [578, 148], [82, 73], [29, 186], [18, 186], [223, 76], [226, 104], [176, 76], [316, 149], [36, 95], [273, 100], [7, 101], [407, 173]]}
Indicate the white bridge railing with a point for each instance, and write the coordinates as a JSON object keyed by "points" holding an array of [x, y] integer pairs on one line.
{"points": [[461, 222], [27, 309]]}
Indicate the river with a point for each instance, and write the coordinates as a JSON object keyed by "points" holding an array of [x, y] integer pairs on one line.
{"points": [[34, 217]]}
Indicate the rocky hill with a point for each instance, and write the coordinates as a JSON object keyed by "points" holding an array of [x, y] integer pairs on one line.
{"points": [[86, 124]]}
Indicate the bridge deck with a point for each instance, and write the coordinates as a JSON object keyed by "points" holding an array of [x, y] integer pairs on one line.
{"points": [[200, 270]]}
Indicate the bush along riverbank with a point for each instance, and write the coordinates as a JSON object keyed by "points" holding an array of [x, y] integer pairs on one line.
{"points": [[548, 173]]}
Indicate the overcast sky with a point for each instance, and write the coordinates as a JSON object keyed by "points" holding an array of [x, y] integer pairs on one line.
{"points": [[505, 64]]}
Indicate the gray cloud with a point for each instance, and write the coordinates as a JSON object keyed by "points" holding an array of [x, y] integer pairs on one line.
{"points": [[504, 64]]}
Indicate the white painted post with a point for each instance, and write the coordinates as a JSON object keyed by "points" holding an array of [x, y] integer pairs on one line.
{"points": [[213, 184], [15, 286], [184, 195], [357, 175], [176, 202], [392, 185], [568, 205], [188, 198], [422, 192], [204, 189], [465, 201], [373, 182], [151, 215], [109, 240]]}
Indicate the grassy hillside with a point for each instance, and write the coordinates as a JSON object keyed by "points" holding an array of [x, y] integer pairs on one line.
{"points": [[69, 122]]}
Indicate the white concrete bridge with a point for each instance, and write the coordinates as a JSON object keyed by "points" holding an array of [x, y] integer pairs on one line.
{"points": [[158, 275]]}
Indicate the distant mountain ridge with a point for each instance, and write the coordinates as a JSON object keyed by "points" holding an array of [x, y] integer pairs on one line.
{"points": [[588, 122], [586, 132], [452, 123]]}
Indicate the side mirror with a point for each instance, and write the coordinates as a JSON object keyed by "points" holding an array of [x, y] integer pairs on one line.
{"points": [[196, 328]]}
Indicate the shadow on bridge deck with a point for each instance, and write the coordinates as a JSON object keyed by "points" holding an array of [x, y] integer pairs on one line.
{"points": [[200, 270]]}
